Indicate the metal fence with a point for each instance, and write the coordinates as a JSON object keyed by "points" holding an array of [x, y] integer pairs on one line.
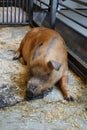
{"points": [[76, 15], [58, 9], [14, 12]]}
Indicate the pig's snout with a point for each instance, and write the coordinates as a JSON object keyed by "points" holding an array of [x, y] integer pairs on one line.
{"points": [[30, 92]]}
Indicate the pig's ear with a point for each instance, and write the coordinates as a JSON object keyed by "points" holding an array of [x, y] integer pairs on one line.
{"points": [[54, 65]]}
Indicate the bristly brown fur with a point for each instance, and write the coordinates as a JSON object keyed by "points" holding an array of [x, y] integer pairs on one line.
{"points": [[39, 48]]}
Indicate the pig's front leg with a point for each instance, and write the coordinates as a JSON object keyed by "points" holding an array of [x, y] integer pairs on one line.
{"points": [[62, 85]]}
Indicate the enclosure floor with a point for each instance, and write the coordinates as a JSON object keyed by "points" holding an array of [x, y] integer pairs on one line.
{"points": [[50, 113]]}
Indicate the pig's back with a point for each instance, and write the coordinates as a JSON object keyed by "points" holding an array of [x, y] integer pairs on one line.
{"points": [[53, 46], [57, 50]]}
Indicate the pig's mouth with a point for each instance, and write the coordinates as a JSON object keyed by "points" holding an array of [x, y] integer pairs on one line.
{"points": [[29, 96]]}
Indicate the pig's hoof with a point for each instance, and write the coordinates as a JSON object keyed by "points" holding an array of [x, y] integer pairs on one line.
{"points": [[16, 57], [70, 99]]}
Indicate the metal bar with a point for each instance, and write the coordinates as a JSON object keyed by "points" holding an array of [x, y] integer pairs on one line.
{"points": [[7, 10], [43, 3], [19, 11], [30, 11], [80, 2], [15, 24], [22, 10], [36, 6], [77, 67], [53, 13], [72, 19], [49, 6], [11, 10], [27, 10], [76, 11], [40, 5], [3, 11], [15, 13]]}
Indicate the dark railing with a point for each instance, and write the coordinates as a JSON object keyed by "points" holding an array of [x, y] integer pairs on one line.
{"points": [[14, 12], [78, 12], [82, 2]]}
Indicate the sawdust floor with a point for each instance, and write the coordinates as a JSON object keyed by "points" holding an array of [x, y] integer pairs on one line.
{"points": [[50, 113]]}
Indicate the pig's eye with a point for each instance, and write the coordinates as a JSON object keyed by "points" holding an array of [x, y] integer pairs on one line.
{"points": [[45, 77], [48, 74]]}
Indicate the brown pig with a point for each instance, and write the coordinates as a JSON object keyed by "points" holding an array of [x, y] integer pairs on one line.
{"points": [[44, 52]]}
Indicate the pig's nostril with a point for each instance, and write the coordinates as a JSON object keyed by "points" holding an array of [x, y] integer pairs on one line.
{"points": [[29, 94], [34, 87]]}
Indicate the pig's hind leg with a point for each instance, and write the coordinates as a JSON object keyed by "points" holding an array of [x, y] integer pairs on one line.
{"points": [[62, 85], [17, 54]]}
